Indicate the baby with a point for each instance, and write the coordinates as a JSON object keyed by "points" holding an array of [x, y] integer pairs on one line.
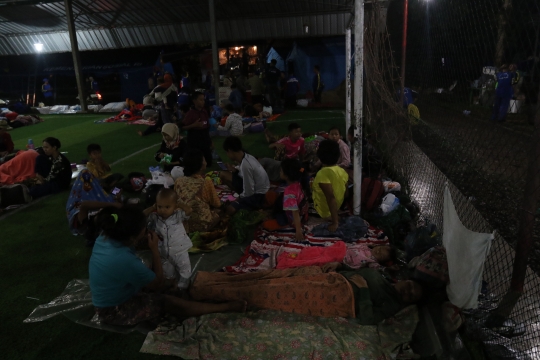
{"points": [[165, 218], [376, 257]]}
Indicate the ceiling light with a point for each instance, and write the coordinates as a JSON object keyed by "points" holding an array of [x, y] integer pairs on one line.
{"points": [[38, 47]]}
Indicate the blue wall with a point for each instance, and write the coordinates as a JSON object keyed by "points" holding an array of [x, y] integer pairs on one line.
{"points": [[328, 53]]}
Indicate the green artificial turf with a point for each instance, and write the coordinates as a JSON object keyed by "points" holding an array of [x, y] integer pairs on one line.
{"points": [[39, 256]]}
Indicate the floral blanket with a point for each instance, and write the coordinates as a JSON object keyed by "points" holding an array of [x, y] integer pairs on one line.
{"points": [[263, 252], [276, 335]]}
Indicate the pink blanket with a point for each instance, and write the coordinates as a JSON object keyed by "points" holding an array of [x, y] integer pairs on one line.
{"points": [[312, 256], [263, 253]]}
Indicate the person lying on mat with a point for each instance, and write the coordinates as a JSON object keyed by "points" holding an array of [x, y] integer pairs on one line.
{"points": [[249, 178], [124, 290], [375, 298], [330, 184], [362, 294]]}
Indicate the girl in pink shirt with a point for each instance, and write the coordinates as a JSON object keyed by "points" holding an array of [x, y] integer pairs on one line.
{"points": [[295, 206]]}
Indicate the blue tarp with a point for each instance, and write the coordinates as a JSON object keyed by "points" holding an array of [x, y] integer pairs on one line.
{"points": [[328, 53], [273, 54]]}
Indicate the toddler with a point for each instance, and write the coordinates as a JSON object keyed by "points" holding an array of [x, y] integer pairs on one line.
{"points": [[375, 257], [165, 217], [295, 204]]}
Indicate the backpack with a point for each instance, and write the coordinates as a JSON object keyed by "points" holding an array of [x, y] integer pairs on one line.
{"points": [[372, 192], [14, 195], [256, 127]]}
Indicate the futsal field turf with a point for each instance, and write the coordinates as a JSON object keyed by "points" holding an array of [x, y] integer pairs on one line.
{"points": [[39, 256]]}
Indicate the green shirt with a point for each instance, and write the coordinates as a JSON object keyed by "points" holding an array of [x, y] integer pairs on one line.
{"points": [[377, 302]]}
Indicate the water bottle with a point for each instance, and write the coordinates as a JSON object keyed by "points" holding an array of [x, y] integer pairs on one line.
{"points": [[31, 144]]}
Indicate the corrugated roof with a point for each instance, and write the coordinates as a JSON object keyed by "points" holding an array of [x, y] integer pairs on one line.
{"points": [[104, 24]]}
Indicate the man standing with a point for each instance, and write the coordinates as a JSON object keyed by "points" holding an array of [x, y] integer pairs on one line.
{"points": [[317, 84], [198, 127], [256, 85], [291, 90], [272, 78], [46, 89], [503, 94]]}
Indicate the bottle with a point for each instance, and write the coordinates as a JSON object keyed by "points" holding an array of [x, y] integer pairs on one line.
{"points": [[30, 144]]}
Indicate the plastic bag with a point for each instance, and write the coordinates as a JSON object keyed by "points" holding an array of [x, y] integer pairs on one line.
{"points": [[159, 178], [389, 203]]}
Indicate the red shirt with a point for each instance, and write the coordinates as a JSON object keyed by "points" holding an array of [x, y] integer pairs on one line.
{"points": [[5, 138], [293, 150], [193, 115], [199, 138]]}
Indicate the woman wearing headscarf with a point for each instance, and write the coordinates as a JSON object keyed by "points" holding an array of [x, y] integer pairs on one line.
{"points": [[173, 144]]}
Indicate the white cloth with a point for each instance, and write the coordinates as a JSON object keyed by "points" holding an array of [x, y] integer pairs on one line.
{"points": [[173, 246], [254, 176], [466, 251]]}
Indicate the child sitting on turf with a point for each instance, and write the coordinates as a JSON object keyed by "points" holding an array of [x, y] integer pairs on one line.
{"points": [[292, 146], [375, 257], [165, 217], [96, 165], [233, 125], [345, 155], [330, 183], [295, 204]]}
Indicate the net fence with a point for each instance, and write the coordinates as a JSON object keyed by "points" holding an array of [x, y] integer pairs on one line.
{"points": [[456, 49]]}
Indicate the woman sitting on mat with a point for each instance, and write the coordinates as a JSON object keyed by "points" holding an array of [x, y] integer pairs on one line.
{"points": [[172, 145], [53, 170], [199, 193], [87, 197], [124, 290], [362, 294]]}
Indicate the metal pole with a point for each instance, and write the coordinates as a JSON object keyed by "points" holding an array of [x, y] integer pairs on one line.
{"points": [[75, 52], [358, 99], [215, 58], [404, 48], [348, 79]]}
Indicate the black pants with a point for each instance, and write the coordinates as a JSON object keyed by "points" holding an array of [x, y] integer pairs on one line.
{"points": [[154, 128], [290, 101], [317, 95], [43, 168], [257, 99], [206, 149]]}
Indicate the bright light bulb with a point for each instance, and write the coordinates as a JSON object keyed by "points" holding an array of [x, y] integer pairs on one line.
{"points": [[38, 47], [237, 48], [255, 48]]}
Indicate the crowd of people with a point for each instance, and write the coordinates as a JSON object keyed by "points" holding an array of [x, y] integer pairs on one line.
{"points": [[310, 168]]}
